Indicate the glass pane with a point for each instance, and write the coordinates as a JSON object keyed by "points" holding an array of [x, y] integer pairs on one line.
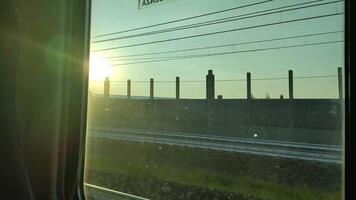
{"points": [[211, 99]]}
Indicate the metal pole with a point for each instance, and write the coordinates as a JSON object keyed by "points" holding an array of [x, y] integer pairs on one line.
{"points": [[339, 75], [128, 88], [248, 77], [290, 80], [107, 87], [291, 103], [151, 88], [210, 85], [177, 88]]}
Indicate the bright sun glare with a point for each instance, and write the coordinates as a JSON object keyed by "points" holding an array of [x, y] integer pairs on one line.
{"points": [[99, 68]]}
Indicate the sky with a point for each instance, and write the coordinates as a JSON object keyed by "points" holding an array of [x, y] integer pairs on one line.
{"points": [[109, 16]]}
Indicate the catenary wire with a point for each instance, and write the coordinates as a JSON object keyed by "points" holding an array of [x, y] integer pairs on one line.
{"points": [[184, 19], [235, 18], [113, 58], [219, 32], [226, 53]]}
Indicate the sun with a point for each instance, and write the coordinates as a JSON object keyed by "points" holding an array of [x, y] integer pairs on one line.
{"points": [[99, 68]]}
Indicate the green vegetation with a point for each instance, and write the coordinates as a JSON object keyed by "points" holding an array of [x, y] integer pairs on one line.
{"points": [[251, 176]]}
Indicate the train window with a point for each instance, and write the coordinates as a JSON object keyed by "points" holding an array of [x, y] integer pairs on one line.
{"points": [[211, 99]]}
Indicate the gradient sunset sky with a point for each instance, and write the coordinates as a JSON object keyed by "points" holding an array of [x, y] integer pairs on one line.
{"points": [[317, 60]]}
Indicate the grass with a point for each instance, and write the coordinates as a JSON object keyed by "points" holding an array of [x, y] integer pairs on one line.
{"points": [[203, 168]]}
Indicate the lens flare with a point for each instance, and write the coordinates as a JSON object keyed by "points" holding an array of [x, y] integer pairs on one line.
{"points": [[99, 68]]}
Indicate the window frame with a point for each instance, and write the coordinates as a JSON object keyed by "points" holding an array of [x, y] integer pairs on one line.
{"points": [[348, 173]]}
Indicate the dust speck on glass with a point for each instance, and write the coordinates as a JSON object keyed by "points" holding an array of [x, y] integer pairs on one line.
{"points": [[211, 99]]}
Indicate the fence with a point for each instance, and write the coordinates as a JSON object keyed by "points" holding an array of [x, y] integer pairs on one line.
{"points": [[294, 120], [154, 87]]}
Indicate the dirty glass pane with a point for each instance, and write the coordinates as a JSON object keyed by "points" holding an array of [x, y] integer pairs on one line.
{"points": [[211, 99]]}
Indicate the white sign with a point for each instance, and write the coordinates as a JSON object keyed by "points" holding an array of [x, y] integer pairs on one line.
{"points": [[149, 3]]}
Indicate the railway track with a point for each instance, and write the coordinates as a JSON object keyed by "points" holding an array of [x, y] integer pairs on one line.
{"points": [[304, 151]]}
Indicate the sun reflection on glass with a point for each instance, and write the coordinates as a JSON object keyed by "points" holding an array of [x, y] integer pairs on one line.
{"points": [[100, 68]]}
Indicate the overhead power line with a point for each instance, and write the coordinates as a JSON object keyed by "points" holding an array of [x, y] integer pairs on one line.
{"points": [[226, 53], [218, 21], [219, 32], [184, 19], [124, 57]]}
